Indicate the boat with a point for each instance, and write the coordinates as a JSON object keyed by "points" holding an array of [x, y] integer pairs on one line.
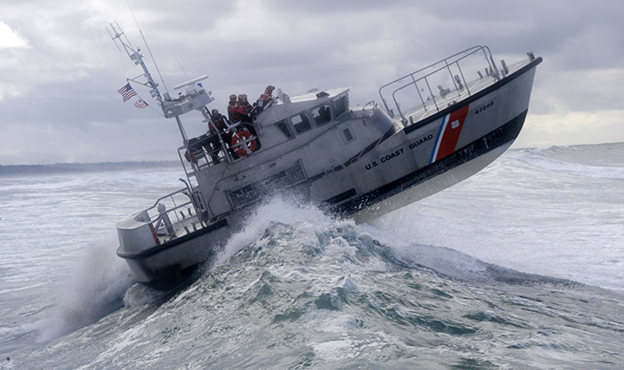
{"points": [[432, 128]]}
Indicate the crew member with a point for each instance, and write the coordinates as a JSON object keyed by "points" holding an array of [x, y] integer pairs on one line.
{"points": [[265, 100], [219, 122], [216, 127], [243, 108], [222, 125], [232, 113]]}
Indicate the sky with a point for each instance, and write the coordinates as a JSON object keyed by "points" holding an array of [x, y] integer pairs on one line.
{"points": [[60, 70]]}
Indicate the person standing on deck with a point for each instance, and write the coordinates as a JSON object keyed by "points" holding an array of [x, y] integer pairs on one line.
{"points": [[233, 115]]}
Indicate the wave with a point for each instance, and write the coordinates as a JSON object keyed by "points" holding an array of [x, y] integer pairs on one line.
{"points": [[291, 228], [304, 238], [607, 155], [297, 288]]}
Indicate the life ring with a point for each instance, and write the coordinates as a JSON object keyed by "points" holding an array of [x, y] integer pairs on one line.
{"points": [[241, 143]]}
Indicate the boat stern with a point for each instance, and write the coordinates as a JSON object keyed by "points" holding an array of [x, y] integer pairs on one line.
{"points": [[136, 236]]}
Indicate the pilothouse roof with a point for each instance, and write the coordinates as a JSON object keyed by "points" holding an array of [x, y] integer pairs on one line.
{"points": [[314, 95], [299, 104]]}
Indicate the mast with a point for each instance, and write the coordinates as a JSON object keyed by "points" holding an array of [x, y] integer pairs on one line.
{"points": [[194, 97], [137, 57]]}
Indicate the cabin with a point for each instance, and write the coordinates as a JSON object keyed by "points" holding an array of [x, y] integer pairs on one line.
{"points": [[311, 135]]}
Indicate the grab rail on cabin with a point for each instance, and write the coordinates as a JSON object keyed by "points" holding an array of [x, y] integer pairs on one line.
{"points": [[447, 74]]}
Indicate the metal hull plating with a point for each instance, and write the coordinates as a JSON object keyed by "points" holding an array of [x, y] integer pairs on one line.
{"points": [[360, 163], [430, 180]]}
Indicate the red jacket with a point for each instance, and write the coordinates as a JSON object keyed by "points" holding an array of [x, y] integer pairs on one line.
{"points": [[232, 112], [243, 110]]}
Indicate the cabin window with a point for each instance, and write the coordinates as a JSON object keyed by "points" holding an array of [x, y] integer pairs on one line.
{"points": [[301, 123], [341, 105], [321, 115], [348, 135], [283, 126]]}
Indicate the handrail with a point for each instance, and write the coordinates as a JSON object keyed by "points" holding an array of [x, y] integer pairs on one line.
{"points": [[163, 220], [424, 76], [207, 153], [164, 197], [161, 199]]}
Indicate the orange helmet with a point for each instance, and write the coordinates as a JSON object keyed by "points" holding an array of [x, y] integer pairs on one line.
{"points": [[242, 97], [233, 97]]}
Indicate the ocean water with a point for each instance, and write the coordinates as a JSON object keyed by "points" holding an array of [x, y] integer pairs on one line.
{"points": [[519, 267]]}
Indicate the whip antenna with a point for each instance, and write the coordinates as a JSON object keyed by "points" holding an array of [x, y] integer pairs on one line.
{"points": [[183, 70], [148, 48]]}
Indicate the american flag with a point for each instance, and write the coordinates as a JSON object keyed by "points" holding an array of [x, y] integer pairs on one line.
{"points": [[127, 92], [140, 104]]}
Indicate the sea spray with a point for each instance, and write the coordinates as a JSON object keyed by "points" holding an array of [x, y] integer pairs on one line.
{"points": [[279, 209], [94, 290]]}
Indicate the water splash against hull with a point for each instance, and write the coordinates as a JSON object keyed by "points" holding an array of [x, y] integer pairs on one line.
{"points": [[94, 291]]}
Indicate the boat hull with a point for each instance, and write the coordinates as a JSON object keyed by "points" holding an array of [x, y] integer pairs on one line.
{"points": [[423, 158], [438, 176]]}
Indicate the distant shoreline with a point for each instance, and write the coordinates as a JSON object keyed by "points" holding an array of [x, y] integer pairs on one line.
{"points": [[49, 169], [610, 152]]}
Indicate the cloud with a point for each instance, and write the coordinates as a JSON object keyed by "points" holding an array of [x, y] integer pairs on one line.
{"points": [[574, 91], [10, 38]]}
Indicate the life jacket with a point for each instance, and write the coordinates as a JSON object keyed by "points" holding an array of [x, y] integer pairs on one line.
{"points": [[233, 113], [219, 123], [264, 101], [244, 108]]}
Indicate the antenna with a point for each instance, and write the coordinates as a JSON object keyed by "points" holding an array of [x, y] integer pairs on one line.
{"points": [[114, 37], [147, 46], [195, 96], [137, 58], [118, 35], [183, 70]]}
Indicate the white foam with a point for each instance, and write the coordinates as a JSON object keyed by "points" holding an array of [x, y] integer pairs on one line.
{"points": [[90, 293], [278, 209], [335, 350]]}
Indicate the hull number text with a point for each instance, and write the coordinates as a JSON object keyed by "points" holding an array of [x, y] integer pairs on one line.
{"points": [[484, 107]]}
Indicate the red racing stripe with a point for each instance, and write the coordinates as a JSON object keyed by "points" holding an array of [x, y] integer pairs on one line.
{"points": [[452, 131]]}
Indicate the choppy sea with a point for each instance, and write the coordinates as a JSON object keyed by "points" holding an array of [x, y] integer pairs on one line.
{"points": [[519, 267]]}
